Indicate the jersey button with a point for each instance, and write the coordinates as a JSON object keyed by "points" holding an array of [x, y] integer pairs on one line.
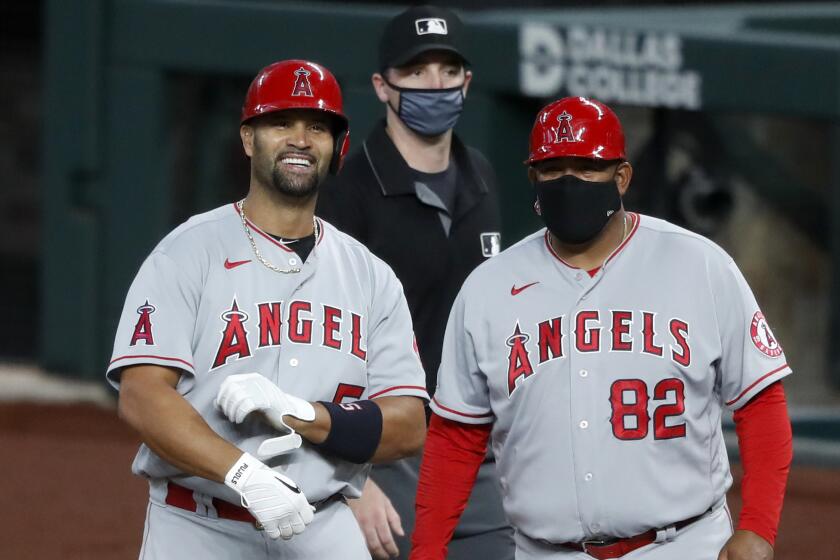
{"points": [[578, 276], [293, 362], [587, 477], [293, 262], [583, 373], [583, 424]]}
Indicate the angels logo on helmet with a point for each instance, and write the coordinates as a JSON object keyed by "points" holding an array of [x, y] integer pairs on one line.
{"points": [[302, 85], [564, 131]]}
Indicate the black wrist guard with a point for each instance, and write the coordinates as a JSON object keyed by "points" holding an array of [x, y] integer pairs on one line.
{"points": [[355, 431]]}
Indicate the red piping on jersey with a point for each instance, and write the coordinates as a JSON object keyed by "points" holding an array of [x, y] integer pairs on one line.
{"points": [[635, 218], [447, 409], [551, 250], [321, 229], [155, 357], [756, 382], [262, 233], [388, 390]]}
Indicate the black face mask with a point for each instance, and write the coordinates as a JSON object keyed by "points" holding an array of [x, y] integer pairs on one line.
{"points": [[574, 210]]}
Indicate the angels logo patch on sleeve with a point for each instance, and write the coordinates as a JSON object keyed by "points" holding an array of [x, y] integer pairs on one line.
{"points": [[763, 338], [143, 328]]}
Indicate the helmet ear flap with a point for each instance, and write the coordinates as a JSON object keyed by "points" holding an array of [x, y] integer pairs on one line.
{"points": [[340, 149]]}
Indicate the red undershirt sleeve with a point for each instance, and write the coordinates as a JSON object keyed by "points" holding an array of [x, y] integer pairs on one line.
{"points": [[765, 441], [451, 458]]}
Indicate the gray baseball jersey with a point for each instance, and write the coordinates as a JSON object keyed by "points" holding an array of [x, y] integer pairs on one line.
{"points": [[606, 391], [338, 330]]}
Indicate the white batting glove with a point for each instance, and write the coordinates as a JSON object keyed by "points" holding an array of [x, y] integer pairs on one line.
{"points": [[274, 500], [242, 394]]}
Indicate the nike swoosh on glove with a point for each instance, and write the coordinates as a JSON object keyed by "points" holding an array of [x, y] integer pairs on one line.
{"points": [[275, 500]]}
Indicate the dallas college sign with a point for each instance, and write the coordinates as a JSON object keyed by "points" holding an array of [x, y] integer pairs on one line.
{"points": [[613, 66]]}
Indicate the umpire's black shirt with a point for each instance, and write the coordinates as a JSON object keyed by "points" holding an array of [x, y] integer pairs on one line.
{"points": [[376, 199]]}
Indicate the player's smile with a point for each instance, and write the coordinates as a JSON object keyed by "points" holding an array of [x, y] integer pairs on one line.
{"points": [[292, 150], [297, 163]]}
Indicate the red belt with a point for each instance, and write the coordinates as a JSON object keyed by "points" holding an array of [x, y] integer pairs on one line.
{"points": [[606, 549], [181, 497]]}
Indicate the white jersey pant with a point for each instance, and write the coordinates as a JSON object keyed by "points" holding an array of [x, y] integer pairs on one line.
{"points": [[702, 540], [172, 533]]}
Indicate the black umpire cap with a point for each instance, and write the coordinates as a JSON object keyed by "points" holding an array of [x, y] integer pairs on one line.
{"points": [[417, 30]]}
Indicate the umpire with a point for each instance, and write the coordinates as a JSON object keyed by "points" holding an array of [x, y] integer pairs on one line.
{"points": [[426, 204]]}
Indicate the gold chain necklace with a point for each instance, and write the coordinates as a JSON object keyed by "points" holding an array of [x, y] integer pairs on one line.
{"points": [[263, 260]]}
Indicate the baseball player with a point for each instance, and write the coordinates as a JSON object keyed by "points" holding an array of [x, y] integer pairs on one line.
{"points": [[597, 355], [265, 357]]}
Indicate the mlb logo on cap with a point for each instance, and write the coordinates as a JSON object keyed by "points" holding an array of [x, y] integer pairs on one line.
{"points": [[428, 26], [419, 29]]}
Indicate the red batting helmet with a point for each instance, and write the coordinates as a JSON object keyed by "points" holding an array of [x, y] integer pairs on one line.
{"points": [[576, 127], [300, 84]]}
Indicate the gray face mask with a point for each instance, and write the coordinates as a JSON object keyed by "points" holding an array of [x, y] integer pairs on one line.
{"points": [[429, 112]]}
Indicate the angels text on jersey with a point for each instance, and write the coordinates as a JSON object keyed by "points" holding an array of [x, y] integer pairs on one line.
{"points": [[242, 333], [595, 332]]}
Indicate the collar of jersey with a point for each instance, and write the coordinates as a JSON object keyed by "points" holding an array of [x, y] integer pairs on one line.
{"points": [[636, 218], [273, 241]]}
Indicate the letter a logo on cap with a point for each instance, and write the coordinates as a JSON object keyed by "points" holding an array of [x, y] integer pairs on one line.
{"points": [[563, 132], [302, 87]]}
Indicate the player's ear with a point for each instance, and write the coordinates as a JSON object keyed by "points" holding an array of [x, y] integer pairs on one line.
{"points": [[467, 80], [532, 174], [623, 175], [246, 133], [379, 86]]}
